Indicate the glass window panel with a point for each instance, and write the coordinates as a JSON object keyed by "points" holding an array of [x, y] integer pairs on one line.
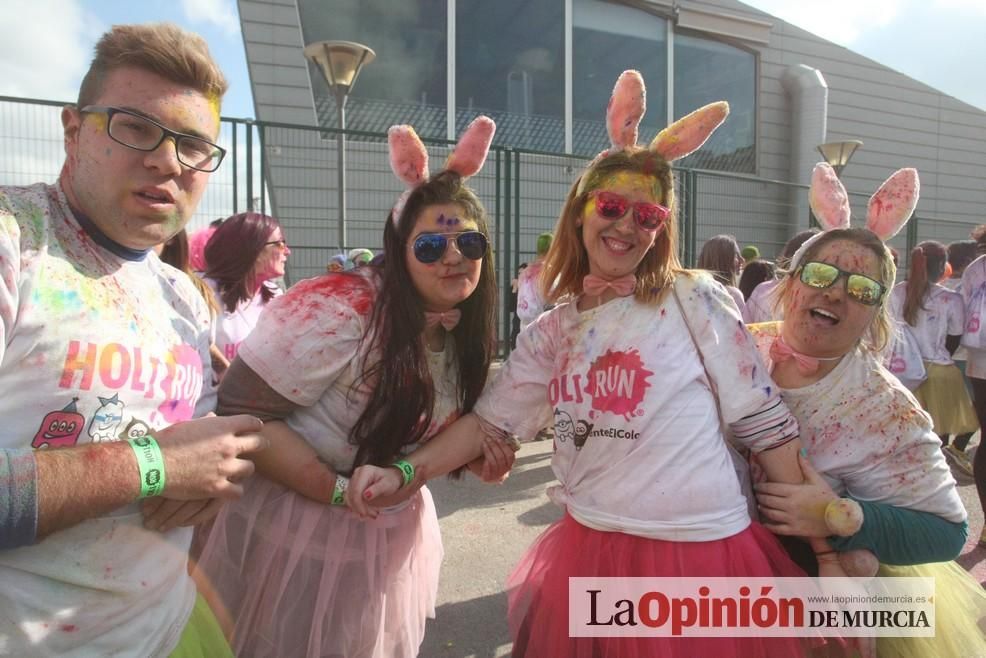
{"points": [[510, 65], [608, 39], [707, 71], [406, 83]]}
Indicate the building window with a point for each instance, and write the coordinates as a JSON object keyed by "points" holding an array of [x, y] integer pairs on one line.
{"points": [[407, 83], [607, 39], [707, 71], [510, 65]]}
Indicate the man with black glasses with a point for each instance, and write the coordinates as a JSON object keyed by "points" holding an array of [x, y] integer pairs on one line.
{"points": [[104, 364]]}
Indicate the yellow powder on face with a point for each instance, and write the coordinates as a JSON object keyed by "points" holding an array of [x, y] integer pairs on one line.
{"points": [[633, 181]]}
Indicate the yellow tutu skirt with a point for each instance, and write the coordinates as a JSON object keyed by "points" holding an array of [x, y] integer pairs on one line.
{"points": [[960, 615], [944, 395]]}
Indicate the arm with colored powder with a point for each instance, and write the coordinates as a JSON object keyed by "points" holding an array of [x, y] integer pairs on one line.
{"points": [[44, 491]]}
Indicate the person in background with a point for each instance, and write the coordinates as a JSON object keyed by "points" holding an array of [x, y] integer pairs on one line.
{"points": [[721, 257], [974, 341], [530, 295], [174, 252], [936, 316], [749, 253], [244, 255], [960, 254], [196, 245], [105, 356], [515, 319], [762, 306], [359, 257], [336, 264], [755, 273]]}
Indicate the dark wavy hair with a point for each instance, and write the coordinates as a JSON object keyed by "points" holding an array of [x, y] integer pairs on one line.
{"points": [[399, 409], [232, 252]]}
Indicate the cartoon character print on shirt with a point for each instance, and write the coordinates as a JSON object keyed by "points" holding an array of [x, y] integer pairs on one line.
{"points": [[582, 430], [135, 429], [107, 419], [564, 427], [60, 429]]}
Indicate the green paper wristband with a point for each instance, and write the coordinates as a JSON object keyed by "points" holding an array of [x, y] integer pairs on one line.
{"points": [[150, 463], [406, 469], [339, 493]]}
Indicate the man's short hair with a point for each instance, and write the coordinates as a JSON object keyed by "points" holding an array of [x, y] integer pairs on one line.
{"points": [[543, 243], [750, 252], [160, 48]]}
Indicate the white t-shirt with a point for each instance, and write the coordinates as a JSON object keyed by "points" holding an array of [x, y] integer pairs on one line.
{"points": [[310, 346], [760, 305], [233, 328], [530, 301], [737, 296], [95, 348], [943, 314], [869, 437], [638, 442], [973, 282]]}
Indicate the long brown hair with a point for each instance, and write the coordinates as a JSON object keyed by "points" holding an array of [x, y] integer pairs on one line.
{"points": [[231, 254], [175, 253], [927, 266], [567, 262], [399, 409], [718, 257]]}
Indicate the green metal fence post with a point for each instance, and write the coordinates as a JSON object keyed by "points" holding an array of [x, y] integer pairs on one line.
{"points": [[249, 165], [912, 234], [506, 274], [236, 154]]}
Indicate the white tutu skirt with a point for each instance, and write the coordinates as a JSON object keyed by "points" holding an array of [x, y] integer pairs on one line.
{"points": [[303, 579]]}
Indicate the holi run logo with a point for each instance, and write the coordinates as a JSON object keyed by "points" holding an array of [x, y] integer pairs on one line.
{"points": [[616, 384]]}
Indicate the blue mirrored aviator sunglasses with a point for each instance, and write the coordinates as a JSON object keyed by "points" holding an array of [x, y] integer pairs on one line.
{"points": [[860, 287], [430, 247]]}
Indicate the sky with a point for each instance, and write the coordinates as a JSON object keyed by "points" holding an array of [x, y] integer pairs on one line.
{"points": [[44, 53]]}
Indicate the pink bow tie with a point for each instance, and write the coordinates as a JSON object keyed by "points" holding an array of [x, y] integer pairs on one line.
{"points": [[781, 351], [596, 285], [447, 319]]}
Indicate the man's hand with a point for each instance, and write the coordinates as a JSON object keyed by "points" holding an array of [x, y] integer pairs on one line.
{"points": [[204, 458]]}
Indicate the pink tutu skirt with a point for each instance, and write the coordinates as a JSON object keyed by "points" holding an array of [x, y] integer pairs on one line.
{"points": [[298, 578], [538, 590]]}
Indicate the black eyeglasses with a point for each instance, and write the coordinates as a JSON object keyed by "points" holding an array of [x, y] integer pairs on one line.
{"points": [[430, 247], [860, 287], [280, 244], [143, 134]]}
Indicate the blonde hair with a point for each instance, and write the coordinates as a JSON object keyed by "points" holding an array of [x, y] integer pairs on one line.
{"points": [[160, 48], [567, 262], [881, 328]]}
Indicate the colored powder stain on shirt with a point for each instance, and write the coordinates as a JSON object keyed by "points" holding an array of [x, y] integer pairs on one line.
{"points": [[68, 628]]}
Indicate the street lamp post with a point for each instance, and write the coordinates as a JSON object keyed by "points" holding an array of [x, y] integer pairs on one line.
{"points": [[340, 63], [838, 154]]}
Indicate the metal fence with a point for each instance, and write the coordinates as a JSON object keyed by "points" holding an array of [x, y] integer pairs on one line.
{"points": [[289, 171]]}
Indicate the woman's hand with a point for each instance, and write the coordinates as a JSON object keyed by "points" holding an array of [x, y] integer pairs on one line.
{"points": [[370, 484], [497, 460], [796, 509]]}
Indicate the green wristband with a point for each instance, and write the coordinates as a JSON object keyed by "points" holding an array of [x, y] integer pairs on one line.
{"points": [[339, 493], [406, 469], [150, 463]]}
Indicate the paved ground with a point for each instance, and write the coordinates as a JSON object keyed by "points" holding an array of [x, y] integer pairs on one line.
{"points": [[486, 529]]}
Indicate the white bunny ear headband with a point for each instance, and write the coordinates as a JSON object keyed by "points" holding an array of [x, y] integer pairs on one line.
{"points": [[886, 213], [409, 158], [626, 108]]}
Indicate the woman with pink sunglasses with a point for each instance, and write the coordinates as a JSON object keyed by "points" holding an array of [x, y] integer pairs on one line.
{"points": [[631, 359]]}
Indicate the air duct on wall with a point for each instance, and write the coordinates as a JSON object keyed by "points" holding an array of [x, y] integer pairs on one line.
{"points": [[809, 113]]}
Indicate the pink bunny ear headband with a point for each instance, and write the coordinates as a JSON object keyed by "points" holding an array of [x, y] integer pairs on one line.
{"points": [[409, 158], [888, 210], [625, 110]]}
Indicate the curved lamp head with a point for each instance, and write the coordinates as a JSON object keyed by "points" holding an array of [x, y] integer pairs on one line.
{"points": [[838, 154], [340, 62]]}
